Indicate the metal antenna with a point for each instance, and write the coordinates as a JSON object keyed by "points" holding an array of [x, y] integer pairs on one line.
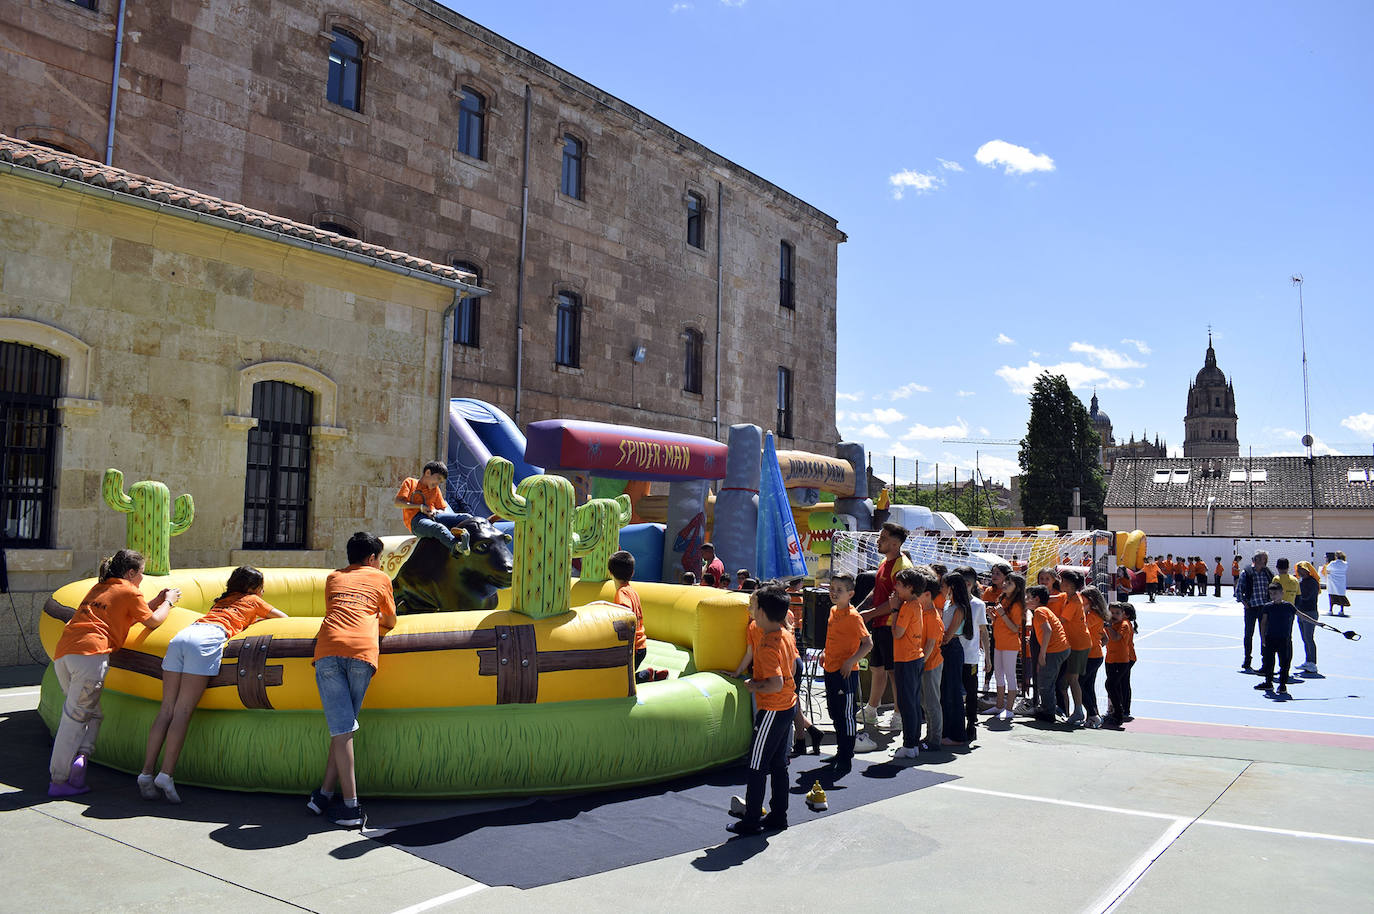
{"points": [[1296, 279]]}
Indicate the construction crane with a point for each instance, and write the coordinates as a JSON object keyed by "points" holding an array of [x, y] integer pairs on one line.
{"points": [[1000, 442]]}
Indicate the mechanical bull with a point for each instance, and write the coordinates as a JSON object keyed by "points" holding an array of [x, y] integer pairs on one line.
{"points": [[435, 579]]}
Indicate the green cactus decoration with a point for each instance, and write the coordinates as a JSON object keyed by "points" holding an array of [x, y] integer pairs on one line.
{"points": [[152, 521], [546, 536], [609, 514]]}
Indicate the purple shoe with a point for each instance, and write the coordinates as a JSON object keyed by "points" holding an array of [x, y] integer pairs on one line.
{"points": [[66, 790], [77, 776]]}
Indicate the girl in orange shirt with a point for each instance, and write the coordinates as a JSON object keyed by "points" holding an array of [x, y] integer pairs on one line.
{"points": [[1007, 619], [193, 657], [1096, 614], [1120, 658]]}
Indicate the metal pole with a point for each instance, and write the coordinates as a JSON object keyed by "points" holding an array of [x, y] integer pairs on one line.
{"points": [[720, 289], [520, 262]]}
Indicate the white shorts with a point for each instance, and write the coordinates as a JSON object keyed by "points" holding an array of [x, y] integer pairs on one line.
{"points": [[196, 649], [1005, 668]]}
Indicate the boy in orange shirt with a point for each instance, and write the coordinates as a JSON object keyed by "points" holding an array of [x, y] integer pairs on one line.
{"points": [[424, 509], [846, 643], [776, 693], [1054, 648], [933, 634], [622, 570], [908, 652], [358, 607], [1217, 572], [1151, 570], [97, 629]]}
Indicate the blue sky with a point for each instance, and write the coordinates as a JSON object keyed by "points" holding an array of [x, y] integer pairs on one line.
{"points": [[1079, 186]]}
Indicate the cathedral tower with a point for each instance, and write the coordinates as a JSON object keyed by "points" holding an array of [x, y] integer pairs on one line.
{"points": [[1209, 426]]}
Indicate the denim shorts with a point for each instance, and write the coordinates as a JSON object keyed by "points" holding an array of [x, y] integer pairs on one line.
{"points": [[196, 649], [342, 682]]}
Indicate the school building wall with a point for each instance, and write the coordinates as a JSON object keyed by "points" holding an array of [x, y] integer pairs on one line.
{"points": [[1242, 522], [1359, 552], [163, 325]]}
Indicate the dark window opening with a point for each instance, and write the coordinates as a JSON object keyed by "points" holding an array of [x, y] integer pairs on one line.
{"points": [[277, 488], [786, 285], [345, 71], [30, 383], [338, 228], [691, 357], [572, 166], [467, 319], [55, 147], [472, 118], [694, 230], [784, 402], [85, 5], [568, 334]]}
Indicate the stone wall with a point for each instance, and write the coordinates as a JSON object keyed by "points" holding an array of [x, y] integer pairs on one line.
{"points": [[229, 99], [164, 324]]}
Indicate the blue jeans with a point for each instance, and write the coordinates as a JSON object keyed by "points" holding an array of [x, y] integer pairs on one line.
{"points": [[342, 682], [1307, 627], [437, 527]]}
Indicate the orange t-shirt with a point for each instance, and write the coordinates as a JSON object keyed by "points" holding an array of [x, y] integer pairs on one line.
{"points": [[410, 490], [1122, 650], [237, 611], [843, 635], [354, 598], [626, 596], [1218, 571], [1004, 638], [775, 656], [1199, 568], [102, 622], [1235, 569], [932, 626], [909, 648], [1072, 613], [752, 636], [1151, 573], [1095, 626], [1058, 640]]}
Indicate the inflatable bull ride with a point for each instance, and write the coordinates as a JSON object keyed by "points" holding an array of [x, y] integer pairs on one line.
{"points": [[503, 675]]}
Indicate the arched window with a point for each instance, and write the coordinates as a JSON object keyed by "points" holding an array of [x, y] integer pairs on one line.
{"points": [[572, 166], [568, 333], [786, 284], [277, 486], [691, 358], [472, 120], [346, 70], [467, 319], [338, 228], [30, 383]]}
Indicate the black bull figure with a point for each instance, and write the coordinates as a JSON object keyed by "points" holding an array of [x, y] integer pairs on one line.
{"points": [[436, 579]]}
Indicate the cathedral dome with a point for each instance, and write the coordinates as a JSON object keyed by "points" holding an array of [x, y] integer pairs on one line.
{"points": [[1210, 375]]}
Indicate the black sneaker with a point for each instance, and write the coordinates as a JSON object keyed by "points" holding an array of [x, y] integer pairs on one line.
{"points": [[774, 823], [1283, 690], [349, 816], [1262, 686], [318, 803], [745, 827]]}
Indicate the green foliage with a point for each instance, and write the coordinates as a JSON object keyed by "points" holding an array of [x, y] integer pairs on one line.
{"points": [[969, 503], [1060, 452]]}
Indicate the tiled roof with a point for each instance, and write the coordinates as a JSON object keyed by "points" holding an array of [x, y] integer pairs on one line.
{"points": [[1235, 482], [74, 168]]}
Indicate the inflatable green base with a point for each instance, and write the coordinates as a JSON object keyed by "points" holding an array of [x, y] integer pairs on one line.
{"points": [[673, 728]]}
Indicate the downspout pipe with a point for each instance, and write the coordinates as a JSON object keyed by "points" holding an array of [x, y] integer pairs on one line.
{"points": [[114, 84], [720, 292], [520, 261], [445, 375]]}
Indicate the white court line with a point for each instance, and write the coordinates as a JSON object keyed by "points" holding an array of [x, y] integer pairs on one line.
{"points": [[443, 899], [20, 694], [1290, 832], [1194, 704], [1118, 890], [1212, 723], [1165, 628]]}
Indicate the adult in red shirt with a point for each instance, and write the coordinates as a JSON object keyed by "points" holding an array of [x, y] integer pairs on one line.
{"points": [[877, 609], [712, 564]]}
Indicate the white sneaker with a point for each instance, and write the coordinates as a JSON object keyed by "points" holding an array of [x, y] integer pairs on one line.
{"points": [[737, 807], [905, 752], [1006, 715], [868, 714], [1095, 722], [864, 743], [895, 722]]}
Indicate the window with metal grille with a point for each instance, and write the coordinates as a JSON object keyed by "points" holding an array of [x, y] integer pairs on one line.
{"points": [[786, 286], [695, 205], [277, 488], [572, 166], [691, 357], [784, 402], [345, 70], [472, 118], [467, 319], [568, 336], [30, 383]]}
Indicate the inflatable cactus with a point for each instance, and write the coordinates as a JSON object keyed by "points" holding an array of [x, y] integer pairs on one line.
{"points": [[546, 524], [608, 514], [152, 520]]}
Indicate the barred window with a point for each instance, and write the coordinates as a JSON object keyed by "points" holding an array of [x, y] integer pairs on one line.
{"points": [[784, 402], [277, 487], [30, 383], [787, 286]]}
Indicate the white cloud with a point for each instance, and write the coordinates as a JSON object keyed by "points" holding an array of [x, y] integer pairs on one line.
{"points": [[965, 393], [680, 7], [1004, 340], [1079, 376], [911, 179], [902, 452], [881, 415], [947, 165], [906, 390], [852, 398], [1109, 359], [871, 432], [840, 416], [1140, 346], [919, 432], [999, 469], [1361, 423], [1018, 160], [733, 2], [982, 430]]}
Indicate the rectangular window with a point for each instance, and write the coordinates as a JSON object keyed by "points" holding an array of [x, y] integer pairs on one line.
{"points": [[568, 333], [786, 285], [472, 117], [694, 231], [467, 319], [30, 381], [345, 71], [1179, 478], [1236, 476], [1161, 476], [784, 402], [572, 166], [691, 357], [1357, 477], [277, 487]]}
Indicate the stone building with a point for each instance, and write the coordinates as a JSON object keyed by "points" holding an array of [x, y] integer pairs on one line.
{"points": [[282, 376], [1209, 426], [635, 275], [1112, 450]]}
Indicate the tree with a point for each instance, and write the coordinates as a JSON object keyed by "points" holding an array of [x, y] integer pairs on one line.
{"points": [[1060, 453]]}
